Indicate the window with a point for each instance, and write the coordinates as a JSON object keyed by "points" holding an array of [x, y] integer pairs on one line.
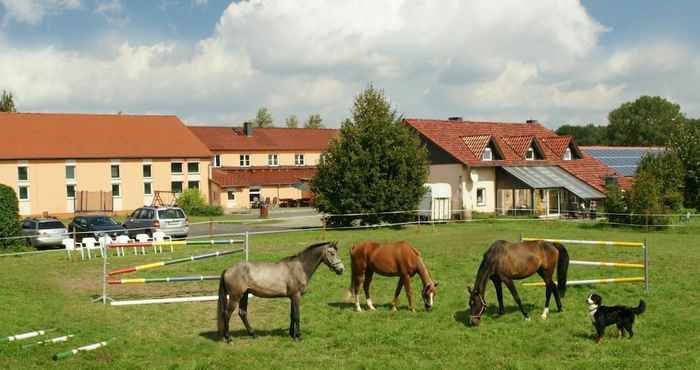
{"points": [[193, 167], [22, 173], [147, 188], [567, 154], [272, 160], [70, 172], [231, 195], [299, 159], [176, 167], [216, 161], [116, 190], [170, 213], [245, 160], [70, 191], [115, 171], [530, 155], [147, 171], [24, 193], [193, 184], [487, 155], [254, 195], [481, 196], [176, 187]]}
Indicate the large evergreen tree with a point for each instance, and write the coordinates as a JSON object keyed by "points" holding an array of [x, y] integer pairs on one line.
{"points": [[376, 165], [9, 217]]}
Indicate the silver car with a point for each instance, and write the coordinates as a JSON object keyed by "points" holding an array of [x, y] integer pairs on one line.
{"points": [[172, 221], [44, 232]]}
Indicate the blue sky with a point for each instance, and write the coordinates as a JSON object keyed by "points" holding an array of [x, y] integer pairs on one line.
{"points": [[216, 62]]}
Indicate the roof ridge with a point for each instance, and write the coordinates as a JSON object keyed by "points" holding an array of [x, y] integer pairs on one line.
{"points": [[88, 114]]}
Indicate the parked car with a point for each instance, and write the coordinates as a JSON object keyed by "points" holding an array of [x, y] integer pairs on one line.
{"points": [[95, 226], [44, 232], [172, 221]]}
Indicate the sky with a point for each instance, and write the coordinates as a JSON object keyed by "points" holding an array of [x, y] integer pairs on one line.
{"points": [[216, 62]]}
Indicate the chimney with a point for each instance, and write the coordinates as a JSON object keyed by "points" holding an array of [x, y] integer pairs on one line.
{"points": [[455, 119], [248, 128], [533, 121]]}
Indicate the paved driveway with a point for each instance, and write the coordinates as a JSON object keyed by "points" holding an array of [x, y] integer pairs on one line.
{"points": [[279, 219]]}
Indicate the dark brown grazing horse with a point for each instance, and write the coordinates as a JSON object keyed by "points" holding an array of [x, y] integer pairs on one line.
{"points": [[286, 278], [504, 262], [390, 259]]}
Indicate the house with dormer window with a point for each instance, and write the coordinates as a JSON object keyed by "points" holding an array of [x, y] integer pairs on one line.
{"points": [[512, 167]]}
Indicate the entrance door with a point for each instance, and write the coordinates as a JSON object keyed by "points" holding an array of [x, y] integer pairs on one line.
{"points": [[553, 202]]}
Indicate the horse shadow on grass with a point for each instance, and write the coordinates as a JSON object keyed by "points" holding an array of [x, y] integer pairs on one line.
{"points": [[491, 312], [378, 306], [241, 333]]}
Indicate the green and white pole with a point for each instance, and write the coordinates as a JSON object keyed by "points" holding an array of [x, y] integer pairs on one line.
{"points": [[89, 347], [28, 335], [49, 341]]}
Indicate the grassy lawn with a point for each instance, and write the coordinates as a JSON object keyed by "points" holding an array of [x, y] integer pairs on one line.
{"points": [[49, 291]]}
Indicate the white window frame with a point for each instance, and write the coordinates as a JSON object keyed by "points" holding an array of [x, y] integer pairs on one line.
{"points": [[119, 171], [26, 167], [299, 159], [216, 161], [253, 191], [190, 181], [244, 160], [143, 168], [273, 159], [483, 202], [530, 154], [75, 174], [182, 168], [568, 155], [119, 187], [188, 168], [75, 190], [229, 195], [144, 188], [182, 186], [19, 192], [485, 157]]}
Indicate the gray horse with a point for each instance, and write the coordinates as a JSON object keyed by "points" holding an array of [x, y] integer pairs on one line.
{"points": [[286, 278]]}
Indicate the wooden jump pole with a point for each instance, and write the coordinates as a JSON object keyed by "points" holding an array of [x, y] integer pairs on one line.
{"points": [[174, 279], [172, 262], [188, 243]]}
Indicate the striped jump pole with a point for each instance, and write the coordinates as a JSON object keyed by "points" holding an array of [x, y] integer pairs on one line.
{"points": [[177, 243], [593, 281], [89, 347], [174, 261], [609, 264], [49, 341], [165, 300], [592, 242], [27, 335], [174, 279]]}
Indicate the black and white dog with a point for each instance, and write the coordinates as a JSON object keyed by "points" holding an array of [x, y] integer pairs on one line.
{"points": [[603, 316]]}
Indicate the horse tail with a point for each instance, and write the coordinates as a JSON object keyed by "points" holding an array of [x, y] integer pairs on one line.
{"points": [[222, 306], [562, 268], [350, 294], [639, 309]]}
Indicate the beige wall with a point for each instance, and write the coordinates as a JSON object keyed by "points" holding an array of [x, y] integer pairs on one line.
{"points": [[452, 174], [464, 189], [232, 159], [47, 182], [242, 196]]}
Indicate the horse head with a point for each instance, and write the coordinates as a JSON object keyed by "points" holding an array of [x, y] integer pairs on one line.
{"points": [[428, 294], [331, 257], [477, 306]]}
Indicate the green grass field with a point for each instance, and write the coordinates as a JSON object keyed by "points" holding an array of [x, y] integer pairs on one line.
{"points": [[48, 291]]}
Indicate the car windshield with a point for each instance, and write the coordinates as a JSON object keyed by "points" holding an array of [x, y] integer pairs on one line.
{"points": [[170, 213], [101, 221], [50, 225]]}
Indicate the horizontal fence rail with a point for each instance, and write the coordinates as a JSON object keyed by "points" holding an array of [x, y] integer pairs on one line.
{"points": [[174, 279], [174, 261], [165, 300]]}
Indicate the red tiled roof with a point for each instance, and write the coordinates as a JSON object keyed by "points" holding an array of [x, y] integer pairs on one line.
{"points": [[277, 138], [557, 144], [72, 136], [228, 177], [477, 144], [519, 144], [449, 135]]}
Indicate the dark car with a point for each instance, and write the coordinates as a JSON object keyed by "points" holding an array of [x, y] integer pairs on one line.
{"points": [[95, 226]]}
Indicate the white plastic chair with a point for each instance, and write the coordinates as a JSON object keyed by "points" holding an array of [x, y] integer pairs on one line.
{"points": [[144, 238], [160, 237], [123, 239], [91, 244], [71, 246]]}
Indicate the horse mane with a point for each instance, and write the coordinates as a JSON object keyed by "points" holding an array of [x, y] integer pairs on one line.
{"points": [[307, 249]]}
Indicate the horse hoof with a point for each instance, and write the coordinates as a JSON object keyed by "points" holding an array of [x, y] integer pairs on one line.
{"points": [[227, 340], [544, 317], [393, 309], [358, 309], [527, 318]]}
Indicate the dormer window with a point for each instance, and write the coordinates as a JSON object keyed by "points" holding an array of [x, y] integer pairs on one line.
{"points": [[487, 155], [530, 155], [567, 154]]}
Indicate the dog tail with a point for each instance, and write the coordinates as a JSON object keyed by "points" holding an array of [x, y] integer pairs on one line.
{"points": [[562, 268], [641, 308]]}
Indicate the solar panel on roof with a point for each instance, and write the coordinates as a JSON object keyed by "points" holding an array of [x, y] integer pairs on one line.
{"points": [[623, 160]]}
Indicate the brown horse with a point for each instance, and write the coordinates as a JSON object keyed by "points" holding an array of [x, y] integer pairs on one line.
{"points": [[504, 262], [390, 259], [286, 278]]}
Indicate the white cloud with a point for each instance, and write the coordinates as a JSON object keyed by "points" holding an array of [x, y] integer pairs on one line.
{"points": [[112, 11], [199, 2], [480, 59], [33, 11]]}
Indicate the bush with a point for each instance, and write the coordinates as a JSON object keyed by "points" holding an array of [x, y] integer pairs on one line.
{"points": [[9, 218], [616, 205], [193, 203], [376, 165]]}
